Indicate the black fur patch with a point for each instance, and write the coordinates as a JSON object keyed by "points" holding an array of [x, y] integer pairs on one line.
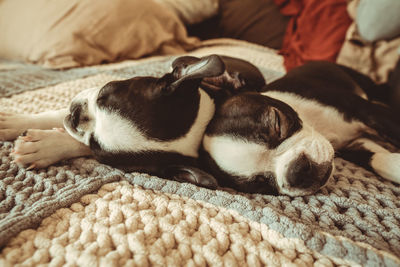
{"points": [[157, 112], [256, 118], [358, 154]]}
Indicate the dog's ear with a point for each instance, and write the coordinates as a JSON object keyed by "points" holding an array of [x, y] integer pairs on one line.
{"points": [[181, 63], [189, 174], [191, 68], [236, 76]]}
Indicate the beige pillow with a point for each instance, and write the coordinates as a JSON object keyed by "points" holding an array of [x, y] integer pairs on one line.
{"points": [[71, 33]]}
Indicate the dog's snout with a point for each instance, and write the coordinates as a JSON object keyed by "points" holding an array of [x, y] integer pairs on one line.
{"points": [[327, 171], [304, 173], [300, 172]]}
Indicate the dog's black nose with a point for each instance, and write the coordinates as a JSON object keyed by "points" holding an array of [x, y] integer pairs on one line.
{"points": [[304, 173]]}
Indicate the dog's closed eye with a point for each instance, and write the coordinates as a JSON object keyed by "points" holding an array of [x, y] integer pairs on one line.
{"points": [[275, 122]]}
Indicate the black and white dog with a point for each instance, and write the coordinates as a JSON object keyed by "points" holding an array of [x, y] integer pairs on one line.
{"points": [[148, 124], [282, 140]]}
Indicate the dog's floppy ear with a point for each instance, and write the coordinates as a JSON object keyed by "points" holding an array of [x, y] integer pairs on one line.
{"points": [[190, 68], [181, 63], [222, 76], [191, 175]]}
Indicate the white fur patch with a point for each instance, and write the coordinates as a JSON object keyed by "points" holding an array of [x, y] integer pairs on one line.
{"points": [[237, 156], [84, 131], [387, 165]]}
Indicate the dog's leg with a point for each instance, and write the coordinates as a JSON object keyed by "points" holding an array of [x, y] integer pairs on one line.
{"points": [[368, 154], [41, 145], [13, 125], [41, 148]]}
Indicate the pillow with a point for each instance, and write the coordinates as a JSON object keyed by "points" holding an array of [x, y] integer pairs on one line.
{"points": [[71, 33], [378, 20], [192, 11], [376, 60], [257, 21]]}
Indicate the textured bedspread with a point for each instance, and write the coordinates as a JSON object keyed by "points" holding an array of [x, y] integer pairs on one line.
{"points": [[80, 212]]}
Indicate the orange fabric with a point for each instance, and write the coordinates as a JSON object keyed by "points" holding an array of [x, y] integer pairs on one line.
{"points": [[316, 30]]}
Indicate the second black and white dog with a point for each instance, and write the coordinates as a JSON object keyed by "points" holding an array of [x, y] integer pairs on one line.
{"points": [[279, 138], [284, 139]]}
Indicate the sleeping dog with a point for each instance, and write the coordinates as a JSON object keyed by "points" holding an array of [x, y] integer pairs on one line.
{"points": [[148, 124], [284, 139]]}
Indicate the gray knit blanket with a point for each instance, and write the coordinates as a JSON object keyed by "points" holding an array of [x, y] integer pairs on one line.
{"points": [[81, 212]]}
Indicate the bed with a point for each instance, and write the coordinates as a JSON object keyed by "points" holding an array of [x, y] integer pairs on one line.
{"points": [[83, 213]]}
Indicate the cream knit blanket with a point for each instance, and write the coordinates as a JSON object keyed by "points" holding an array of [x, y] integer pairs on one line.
{"points": [[80, 212]]}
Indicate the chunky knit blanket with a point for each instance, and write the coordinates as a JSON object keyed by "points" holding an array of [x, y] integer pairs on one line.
{"points": [[80, 212]]}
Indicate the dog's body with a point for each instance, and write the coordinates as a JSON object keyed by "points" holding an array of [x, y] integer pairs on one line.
{"points": [[282, 140]]}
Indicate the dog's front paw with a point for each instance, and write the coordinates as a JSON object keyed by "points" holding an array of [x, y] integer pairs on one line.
{"points": [[13, 125], [41, 148], [38, 148]]}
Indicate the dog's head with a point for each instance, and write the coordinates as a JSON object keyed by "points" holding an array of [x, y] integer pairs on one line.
{"points": [[259, 144], [147, 123]]}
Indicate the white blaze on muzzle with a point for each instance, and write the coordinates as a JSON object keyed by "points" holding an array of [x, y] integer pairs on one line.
{"points": [[84, 130], [308, 143]]}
